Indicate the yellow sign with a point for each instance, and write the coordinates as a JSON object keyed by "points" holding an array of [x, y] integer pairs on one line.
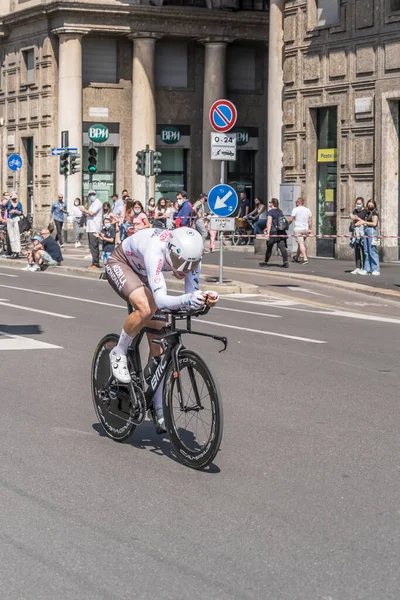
{"points": [[327, 155], [329, 195]]}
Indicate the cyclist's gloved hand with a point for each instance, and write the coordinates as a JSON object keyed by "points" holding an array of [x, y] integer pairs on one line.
{"points": [[211, 297], [193, 300]]}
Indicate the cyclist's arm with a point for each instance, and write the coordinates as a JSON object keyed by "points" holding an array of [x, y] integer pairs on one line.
{"points": [[192, 280], [153, 262]]}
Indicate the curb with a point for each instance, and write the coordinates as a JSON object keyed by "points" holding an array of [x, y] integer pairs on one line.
{"points": [[346, 285], [231, 287]]}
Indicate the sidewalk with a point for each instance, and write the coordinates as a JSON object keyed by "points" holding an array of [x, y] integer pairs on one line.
{"points": [[328, 271]]}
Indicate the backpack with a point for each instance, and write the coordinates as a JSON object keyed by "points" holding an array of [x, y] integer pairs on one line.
{"points": [[282, 222]]}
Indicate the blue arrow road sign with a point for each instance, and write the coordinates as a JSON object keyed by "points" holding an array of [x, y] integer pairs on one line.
{"points": [[14, 162], [57, 151], [223, 200]]}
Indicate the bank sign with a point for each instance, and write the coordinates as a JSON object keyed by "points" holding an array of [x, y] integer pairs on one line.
{"points": [[170, 135], [98, 133]]}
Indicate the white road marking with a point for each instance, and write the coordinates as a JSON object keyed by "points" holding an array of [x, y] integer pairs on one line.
{"points": [[307, 291], [13, 287], [49, 272], [272, 333], [19, 342], [8, 275], [246, 312], [36, 310]]}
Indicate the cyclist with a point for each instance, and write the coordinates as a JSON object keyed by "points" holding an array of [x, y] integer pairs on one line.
{"points": [[135, 271]]}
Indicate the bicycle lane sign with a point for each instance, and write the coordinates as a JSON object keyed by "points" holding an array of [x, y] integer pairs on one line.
{"points": [[14, 162]]}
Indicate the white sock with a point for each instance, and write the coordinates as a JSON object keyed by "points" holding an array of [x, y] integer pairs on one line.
{"points": [[123, 343]]}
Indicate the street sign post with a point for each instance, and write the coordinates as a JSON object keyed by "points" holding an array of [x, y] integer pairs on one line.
{"points": [[223, 202], [222, 223], [57, 151], [14, 163], [223, 115], [223, 146]]}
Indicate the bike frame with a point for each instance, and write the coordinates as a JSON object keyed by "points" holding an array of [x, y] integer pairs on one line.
{"points": [[170, 341]]}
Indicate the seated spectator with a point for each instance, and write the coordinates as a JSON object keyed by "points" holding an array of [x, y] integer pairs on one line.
{"points": [[45, 252], [107, 237]]}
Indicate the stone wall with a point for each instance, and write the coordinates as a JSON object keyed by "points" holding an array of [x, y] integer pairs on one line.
{"points": [[344, 66]]}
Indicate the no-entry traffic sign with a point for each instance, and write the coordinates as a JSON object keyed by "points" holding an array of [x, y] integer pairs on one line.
{"points": [[223, 115]]}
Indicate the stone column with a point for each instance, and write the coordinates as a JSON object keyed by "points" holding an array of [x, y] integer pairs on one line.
{"points": [[214, 89], [70, 105], [275, 93], [143, 106]]}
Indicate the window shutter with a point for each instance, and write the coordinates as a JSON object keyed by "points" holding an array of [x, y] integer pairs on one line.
{"points": [[99, 60], [171, 64], [241, 68]]}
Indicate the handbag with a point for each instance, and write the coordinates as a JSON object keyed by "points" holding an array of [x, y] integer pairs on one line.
{"points": [[24, 224], [376, 241], [51, 226]]}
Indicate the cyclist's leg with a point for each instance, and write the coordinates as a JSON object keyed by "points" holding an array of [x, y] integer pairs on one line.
{"points": [[156, 350]]}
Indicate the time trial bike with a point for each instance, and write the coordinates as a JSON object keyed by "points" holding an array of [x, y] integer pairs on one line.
{"points": [[192, 404]]}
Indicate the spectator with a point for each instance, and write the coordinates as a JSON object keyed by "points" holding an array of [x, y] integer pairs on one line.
{"points": [[136, 216], [199, 216], [272, 231], [302, 217], [45, 252], [58, 212], [244, 206], [258, 217], [151, 209], [183, 218], [107, 237], [117, 207], [357, 241], [371, 264], [93, 225], [78, 222], [161, 214], [107, 211], [14, 211]]}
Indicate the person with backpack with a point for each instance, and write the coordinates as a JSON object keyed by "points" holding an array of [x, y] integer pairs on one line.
{"points": [[277, 226]]}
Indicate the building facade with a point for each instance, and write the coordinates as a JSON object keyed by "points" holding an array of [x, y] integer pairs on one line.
{"points": [[341, 113], [143, 74]]}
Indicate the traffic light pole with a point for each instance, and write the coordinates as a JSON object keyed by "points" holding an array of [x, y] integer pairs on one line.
{"points": [[147, 176], [65, 216]]}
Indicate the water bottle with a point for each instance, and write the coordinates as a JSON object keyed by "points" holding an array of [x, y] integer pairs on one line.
{"points": [[150, 368]]}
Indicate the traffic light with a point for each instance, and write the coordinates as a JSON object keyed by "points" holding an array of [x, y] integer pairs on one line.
{"points": [[74, 163], [156, 163], [141, 162], [64, 163], [92, 160]]}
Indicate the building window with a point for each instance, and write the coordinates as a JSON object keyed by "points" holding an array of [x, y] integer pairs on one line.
{"points": [[328, 12], [172, 179], [28, 75], [171, 64], [395, 5], [241, 68], [99, 60]]}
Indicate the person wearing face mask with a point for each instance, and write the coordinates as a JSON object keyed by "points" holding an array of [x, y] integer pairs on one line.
{"points": [[370, 223], [78, 221], [58, 212], [151, 209], [93, 226], [107, 237], [185, 210], [357, 241], [136, 217]]}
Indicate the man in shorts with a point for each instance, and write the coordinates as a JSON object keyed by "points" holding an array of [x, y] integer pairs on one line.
{"points": [[302, 217], [135, 271], [45, 252]]}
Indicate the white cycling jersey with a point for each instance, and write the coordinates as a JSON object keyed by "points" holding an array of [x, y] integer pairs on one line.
{"points": [[145, 253]]}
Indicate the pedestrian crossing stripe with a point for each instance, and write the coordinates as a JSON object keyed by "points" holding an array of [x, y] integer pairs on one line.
{"points": [[9, 341]]}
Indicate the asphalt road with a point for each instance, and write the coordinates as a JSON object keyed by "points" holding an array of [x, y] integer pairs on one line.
{"points": [[302, 502]]}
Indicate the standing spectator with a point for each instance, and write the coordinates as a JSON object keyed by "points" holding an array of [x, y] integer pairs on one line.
{"points": [[183, 218], [357, 241], [302, 217], [371, 264], [199, 214], [14, 211], [273, 231], [151, 209], [58, 212], [77, 221], [117, 207], [137, 217], [107, 237], [93, 225], [244, 206], [161, 213]]}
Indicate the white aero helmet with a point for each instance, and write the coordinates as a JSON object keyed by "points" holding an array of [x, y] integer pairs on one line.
{"points": [[184, 249]]}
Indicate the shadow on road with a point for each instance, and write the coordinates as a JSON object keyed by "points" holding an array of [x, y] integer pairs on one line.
{"points": [[145, 438], [21, 329]]}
